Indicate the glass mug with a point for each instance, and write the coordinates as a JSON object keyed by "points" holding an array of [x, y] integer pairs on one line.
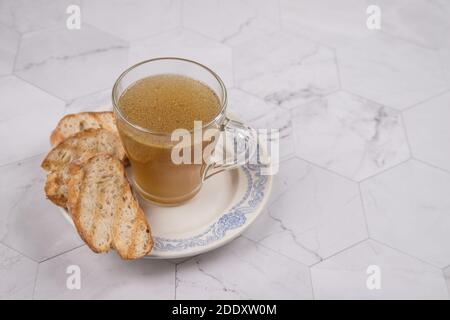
{"points": [[155, 175]]}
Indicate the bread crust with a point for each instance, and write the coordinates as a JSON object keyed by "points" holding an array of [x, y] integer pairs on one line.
{"points": [[98, 119], [54, 185], [72, 151], [76, 192], [78, 140], [73, 205]]}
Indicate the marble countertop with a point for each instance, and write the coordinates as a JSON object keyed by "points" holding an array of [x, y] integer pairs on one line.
{"points": [[364, 183]]}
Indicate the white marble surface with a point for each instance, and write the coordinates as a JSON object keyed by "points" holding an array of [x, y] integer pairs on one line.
{"points": [[132, 19], [8, 51], [17, 275], [363, 118], [263, 274], [284, 69], [247, 106], [189, 45], [71, 63], [333, 23], [317, 216], [97, 101], [345, 275], [403, 19], [26, 16], [30, 223], [25, 108], [105, 277], [250, 19], [391, 71], [429, 131], [408, 208], [447, 277], [349, 135], [280, 119]]}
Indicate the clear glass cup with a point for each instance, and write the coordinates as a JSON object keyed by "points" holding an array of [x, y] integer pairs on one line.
{"points": [[155, 175]]}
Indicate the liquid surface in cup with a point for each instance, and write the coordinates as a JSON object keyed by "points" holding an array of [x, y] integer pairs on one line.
{"points": [[167, 102], [161, 104]]}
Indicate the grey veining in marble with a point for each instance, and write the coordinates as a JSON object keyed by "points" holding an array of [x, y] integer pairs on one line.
{"points": [[247, 106], [242, 270], [71, 63], [350, 135], [280, 119], [317, 215], [285, 69], [232, 21]]}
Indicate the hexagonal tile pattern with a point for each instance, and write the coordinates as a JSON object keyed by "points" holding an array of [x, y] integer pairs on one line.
{"points": [[429, 132], [189, 45], [318, 215], [231, 21], [27, 16], [290, 172], [29, 222], [349, 102], [408, 208], [17, 275], [349, 135], [346, 275], [377, 68], [135, 19], [284, 69], [278, 119], [25, 108], [9, 43], [105, 276], [423, 22], [214, 275], [71, 63], [335, 23]]}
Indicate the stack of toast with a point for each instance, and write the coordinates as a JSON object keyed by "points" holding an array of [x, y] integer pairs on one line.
{"points": [[86, 175]]}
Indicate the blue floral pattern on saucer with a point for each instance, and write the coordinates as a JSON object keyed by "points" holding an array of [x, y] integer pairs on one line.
{"points": [[232, 219]]}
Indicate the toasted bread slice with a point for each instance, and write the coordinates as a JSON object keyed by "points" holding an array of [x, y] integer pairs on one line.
{"points": [[56, 186], [82, 146], [77, 148], [104, 210], [107, 120], [73, 123]]}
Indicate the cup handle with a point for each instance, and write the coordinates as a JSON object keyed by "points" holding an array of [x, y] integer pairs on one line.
{"points": [[245, 144]]}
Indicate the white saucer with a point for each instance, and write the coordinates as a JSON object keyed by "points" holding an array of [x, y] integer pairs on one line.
{"points": [[225, 206]]}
